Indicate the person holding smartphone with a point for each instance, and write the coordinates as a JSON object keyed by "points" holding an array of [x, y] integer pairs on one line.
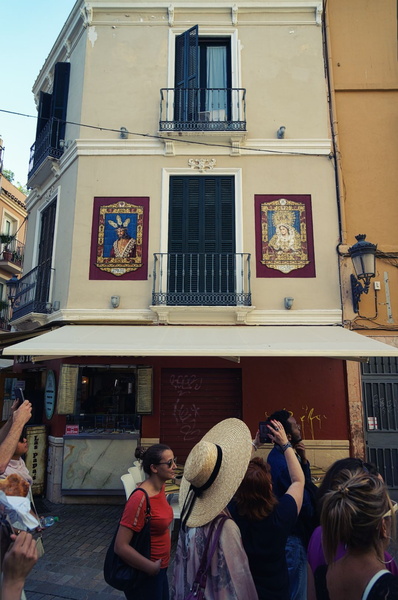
{"points": [[17, 464], [10, 433], [296, 545]]}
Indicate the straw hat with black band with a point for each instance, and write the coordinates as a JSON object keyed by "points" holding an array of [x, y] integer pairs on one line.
{"points": [[213, 471]]}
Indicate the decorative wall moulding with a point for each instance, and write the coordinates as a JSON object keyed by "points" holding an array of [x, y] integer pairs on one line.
{"points": [[202, 164]]}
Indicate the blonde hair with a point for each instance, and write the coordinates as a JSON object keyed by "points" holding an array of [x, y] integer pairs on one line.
{"points": [[352, 513]]}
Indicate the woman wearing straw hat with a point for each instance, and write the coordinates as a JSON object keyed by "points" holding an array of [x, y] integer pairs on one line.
{"points": [[212, 474], [266, 522], [159, 463]]}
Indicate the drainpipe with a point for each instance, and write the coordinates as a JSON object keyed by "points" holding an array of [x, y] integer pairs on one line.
{"points": [[334, 129]]}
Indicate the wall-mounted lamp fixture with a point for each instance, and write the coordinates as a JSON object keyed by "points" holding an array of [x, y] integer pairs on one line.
{"points": [[115, 301], [124, 134], [64, 144], [288, 303], [280, 134], [363, 256]]}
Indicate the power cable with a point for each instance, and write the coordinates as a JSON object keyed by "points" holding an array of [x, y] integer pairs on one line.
{"points": [[173, 139]]}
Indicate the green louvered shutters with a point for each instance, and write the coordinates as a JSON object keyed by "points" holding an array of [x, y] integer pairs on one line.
{"points": [[59, 102], [186, 75], [201, 240], [47, 235]]}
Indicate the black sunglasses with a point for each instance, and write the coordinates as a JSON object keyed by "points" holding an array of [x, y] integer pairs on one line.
{"points": [[170, 462]]}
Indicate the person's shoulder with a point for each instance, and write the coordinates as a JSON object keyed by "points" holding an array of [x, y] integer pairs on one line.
{"points": [[385, 587], [137, 497]]}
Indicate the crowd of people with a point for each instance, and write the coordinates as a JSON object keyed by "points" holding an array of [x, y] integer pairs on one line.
{"points": [[250, 529], [254, 529], [18, 552]]}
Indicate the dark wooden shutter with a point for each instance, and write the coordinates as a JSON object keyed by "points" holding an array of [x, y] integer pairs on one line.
{"points": [[44, 112], [201, 234], [186, 75], [193, 401], [47, 234], [60, 101]]}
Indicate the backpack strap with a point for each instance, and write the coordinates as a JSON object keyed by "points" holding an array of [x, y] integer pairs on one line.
{"points": [[210, 548]]}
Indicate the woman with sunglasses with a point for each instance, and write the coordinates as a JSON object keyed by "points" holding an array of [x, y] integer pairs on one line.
{"points": [[159, 463]]}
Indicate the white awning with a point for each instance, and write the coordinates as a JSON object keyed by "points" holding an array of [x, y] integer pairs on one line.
{"points": [[227, 341]]}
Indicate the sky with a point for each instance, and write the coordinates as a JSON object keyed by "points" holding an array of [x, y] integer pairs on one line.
{"points": [[28, 31]]}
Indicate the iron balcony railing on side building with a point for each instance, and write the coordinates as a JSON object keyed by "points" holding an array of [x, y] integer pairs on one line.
{"points": [[32, 291], [13, 252], [47, 144], [202, 109], [201, 279]]}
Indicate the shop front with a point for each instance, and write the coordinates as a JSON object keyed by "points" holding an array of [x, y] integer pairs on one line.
{"points": [[171, 385]]}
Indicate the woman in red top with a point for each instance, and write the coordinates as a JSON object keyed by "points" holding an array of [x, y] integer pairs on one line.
{"points": [[158, 462]]}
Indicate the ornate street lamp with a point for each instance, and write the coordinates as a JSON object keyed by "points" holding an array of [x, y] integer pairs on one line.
{"points": [[12, 285], [363, 256]]}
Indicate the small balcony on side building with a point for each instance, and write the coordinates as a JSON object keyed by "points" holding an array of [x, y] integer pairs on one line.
{"points": [[11, 256], [32, 291], [48, 144]]}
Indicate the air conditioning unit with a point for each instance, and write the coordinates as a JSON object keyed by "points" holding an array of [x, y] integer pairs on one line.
{"points": [[204, 116]]}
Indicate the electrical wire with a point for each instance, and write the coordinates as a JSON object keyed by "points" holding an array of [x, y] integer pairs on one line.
{"points": [[173, 139]]}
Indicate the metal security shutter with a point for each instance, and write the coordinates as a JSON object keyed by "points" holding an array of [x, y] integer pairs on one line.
{"points": [[193, 401], [380, 395]]}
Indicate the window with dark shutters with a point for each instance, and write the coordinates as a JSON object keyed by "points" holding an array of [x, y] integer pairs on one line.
{"points": [[201, 239], [186, 75], [51, 122], [47, 235]]}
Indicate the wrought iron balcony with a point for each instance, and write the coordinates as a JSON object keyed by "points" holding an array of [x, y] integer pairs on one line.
{"points": [[47, 144], [208, 279], [32, 291], [11, 256], [202, 109]]}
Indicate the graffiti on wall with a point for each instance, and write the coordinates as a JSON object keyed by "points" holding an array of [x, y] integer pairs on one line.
{"points": [[308, 420], [186, 413]]}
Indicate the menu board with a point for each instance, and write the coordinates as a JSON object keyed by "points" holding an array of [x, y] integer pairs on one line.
{"points": [[67, 389], [144, 401]]}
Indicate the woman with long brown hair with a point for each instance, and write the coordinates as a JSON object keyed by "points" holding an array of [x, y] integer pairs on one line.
{"points": [[265, 522]]}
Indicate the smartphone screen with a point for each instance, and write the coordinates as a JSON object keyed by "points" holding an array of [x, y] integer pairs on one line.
{"points": [[19, 395]]}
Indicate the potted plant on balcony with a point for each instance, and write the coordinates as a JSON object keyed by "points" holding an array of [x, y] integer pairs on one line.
{"points": [[6, 238]]}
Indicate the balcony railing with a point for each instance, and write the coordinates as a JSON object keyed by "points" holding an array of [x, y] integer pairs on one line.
{"points": [[32, 291], [47, 144], [202, 109], [13, 252], [208, 279]]}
